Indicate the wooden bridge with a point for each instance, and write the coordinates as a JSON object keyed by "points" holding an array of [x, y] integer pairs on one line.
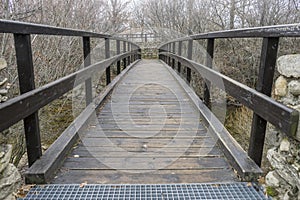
{"points": [[147, 126]]}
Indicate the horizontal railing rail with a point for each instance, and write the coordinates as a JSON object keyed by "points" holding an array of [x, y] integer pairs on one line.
{"points": [[265, 109], [287, 30], [26, 105]]}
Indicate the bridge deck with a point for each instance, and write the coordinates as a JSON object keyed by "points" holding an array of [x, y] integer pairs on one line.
{"points": [[147, 132]]}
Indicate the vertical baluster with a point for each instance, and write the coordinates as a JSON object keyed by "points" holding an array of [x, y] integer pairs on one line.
{"points": [[87, 62], [173, 51], [128, 49], [264, 85], [118, 52], [26, 83], [209, 60], [169, 51], [179, 53], [107, 55], [189, 56], [124, 51]]}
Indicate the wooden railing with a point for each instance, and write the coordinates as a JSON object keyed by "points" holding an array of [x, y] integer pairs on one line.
{"points": [[142, 37], [25, 107], [265, 109]]}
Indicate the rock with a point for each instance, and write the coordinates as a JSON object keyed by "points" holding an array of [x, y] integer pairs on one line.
{"points": [[3, 99], [294, 87], [3, 64], [281, 86], [10, 197], [272, 179], [285, 145], [285, 171], [289, 65], [3, 91], [5, 154], [10, 181], [3, 82]]}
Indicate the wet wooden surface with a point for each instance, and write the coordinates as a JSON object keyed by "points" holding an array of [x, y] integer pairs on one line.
{"points": [[148, 132]]}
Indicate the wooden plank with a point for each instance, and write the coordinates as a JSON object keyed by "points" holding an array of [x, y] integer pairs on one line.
{"points": [[143, 177], [146, 163], [281, 116], [237, 157], [106, 151], [43, 170], [150, 142], [158, 153]]}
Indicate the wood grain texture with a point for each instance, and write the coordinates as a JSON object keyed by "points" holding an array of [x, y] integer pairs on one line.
{"points": [[147, 132], [43, 170], [237, 157]]}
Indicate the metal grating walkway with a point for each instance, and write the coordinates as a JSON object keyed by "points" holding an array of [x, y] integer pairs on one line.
{"points": [[239, 191]]}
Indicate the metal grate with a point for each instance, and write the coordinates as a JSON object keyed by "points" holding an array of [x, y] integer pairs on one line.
{"points": [[240, 191]]}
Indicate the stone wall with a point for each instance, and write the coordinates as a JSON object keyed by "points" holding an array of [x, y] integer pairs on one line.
{"points": [[283, 181], [10, 177]]}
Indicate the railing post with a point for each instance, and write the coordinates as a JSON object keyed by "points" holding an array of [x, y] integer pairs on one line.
{"points": [[189, 56], [264, 85], [107, 55], [124, 51], [179, 53], [169, 50], [118, 52], [209, 59], [26, 83], [87, 62], [129, 57], [173, 51]]}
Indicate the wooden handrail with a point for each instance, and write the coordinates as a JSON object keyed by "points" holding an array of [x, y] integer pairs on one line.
{"points": [[281, 116], [287, 30], [287, 120], [26, 105]]}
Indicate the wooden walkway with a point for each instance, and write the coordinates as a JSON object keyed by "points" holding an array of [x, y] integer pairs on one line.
{"points": [[147, 132]]}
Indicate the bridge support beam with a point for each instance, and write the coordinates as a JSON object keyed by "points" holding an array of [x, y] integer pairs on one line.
{"points": [[26, 83], [264, 85]]}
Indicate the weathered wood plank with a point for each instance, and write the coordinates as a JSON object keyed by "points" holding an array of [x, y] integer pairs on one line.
{"points": [[117, 142], [152, 177], [237, 157], [43, 170], [105, 151]]}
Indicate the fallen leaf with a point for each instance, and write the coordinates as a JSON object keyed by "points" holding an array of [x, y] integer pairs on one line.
{"points": [[22, 192], [249, 184], [83, 184]]}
